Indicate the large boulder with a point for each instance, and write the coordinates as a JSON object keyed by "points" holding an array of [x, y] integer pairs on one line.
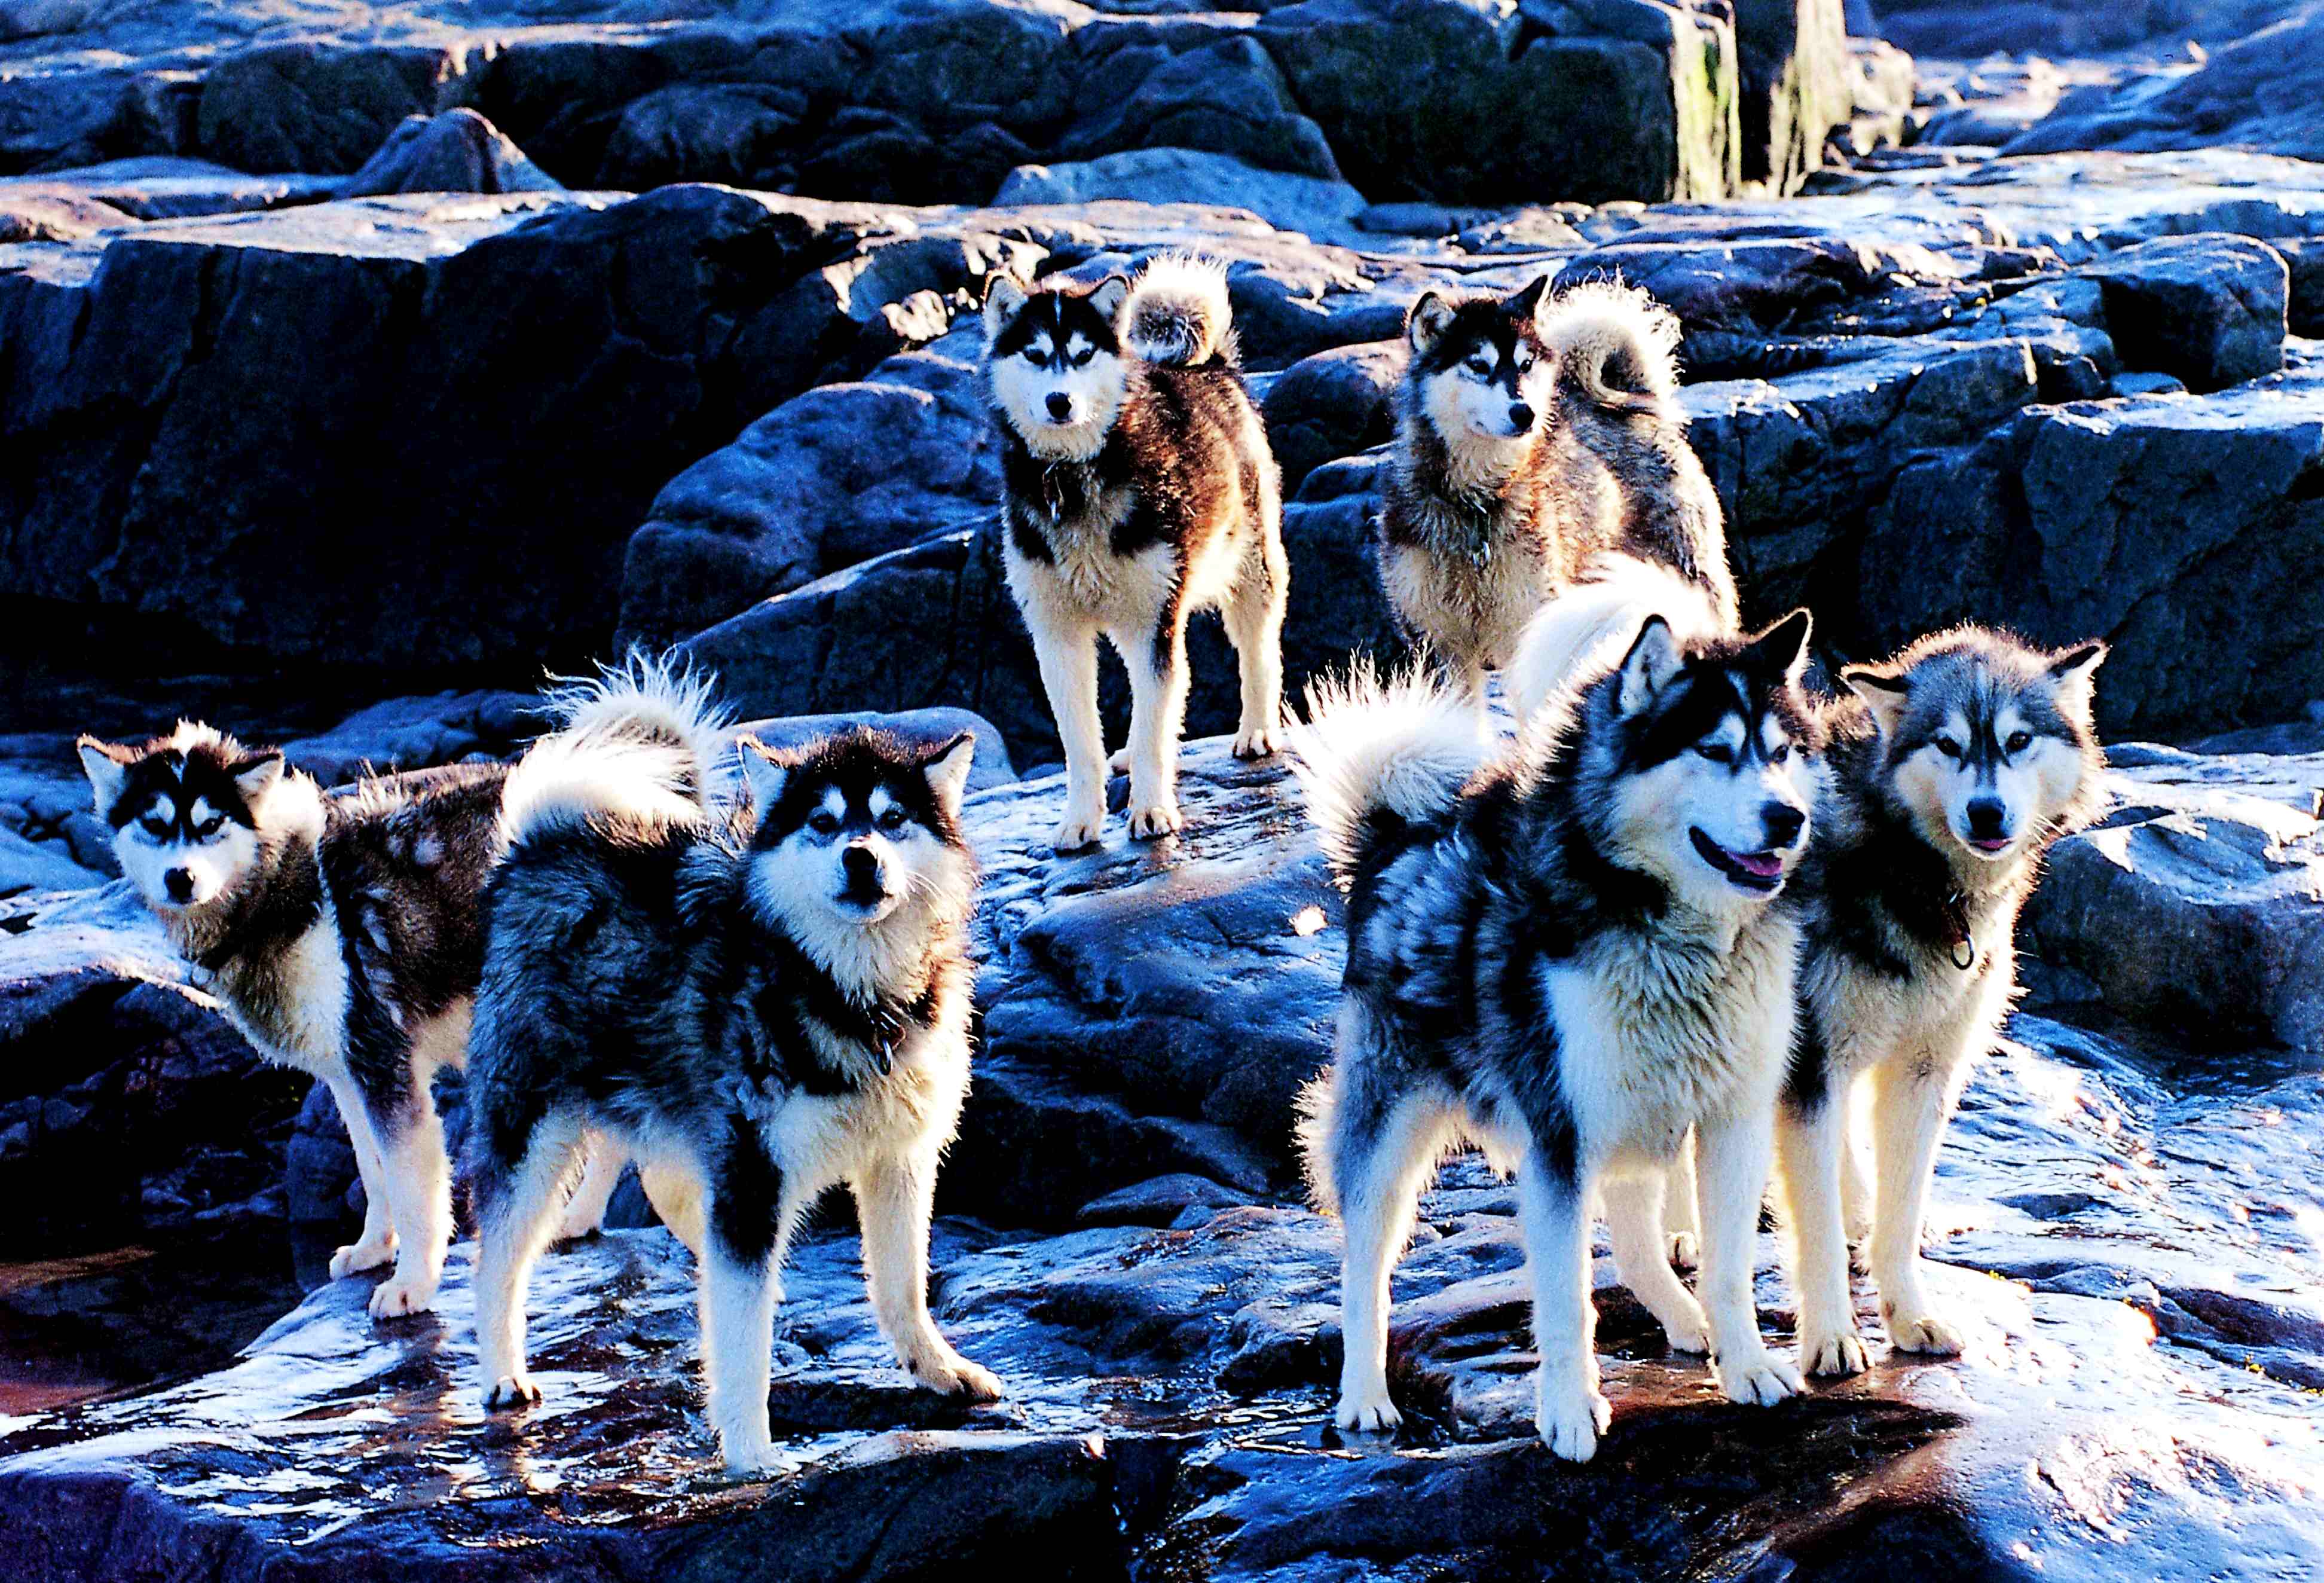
{"points": [[313, 105], [1331, 405], [1798, 84], [2209, 310], [1217, 93], [458, 151], [1317, 205]]}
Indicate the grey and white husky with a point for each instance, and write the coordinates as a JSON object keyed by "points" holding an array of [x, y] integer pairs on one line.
{"points": [[340, 932], [758, 1007], [1571, 955], [1953, 768], [1138, 488]]}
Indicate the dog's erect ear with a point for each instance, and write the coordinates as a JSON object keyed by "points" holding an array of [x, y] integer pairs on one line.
{"points": [[1884, 694], [255, 776], [1651, 664], [1111, 293], [1530, 302], [1782, 651], [2075, 672], [1002, 298], [1430, 318], [946, 768], [764, 771], [107, 767]]}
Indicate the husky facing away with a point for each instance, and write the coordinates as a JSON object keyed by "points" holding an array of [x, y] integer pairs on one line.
{"points": [[1570, 956], [341, 935], [757, 1007], [1534, 434], [1953, 768], [1138, 488]]}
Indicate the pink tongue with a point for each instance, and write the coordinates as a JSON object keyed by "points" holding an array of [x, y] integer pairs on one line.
{"points": [[1762, 865]]}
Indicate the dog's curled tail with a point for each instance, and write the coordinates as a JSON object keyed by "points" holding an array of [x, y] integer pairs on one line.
{"points": [[1377, 756], [1617, 346], [1178, 312], [1585, 627], [638, 745]]}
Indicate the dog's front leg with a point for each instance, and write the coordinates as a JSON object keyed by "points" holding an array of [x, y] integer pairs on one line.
{"points": [[1732, 1156], [1811, 1138], [375, 1244], [892, 1199], [1909, 1102], [1066, 648], [1568, 1408], [1157, 663]]}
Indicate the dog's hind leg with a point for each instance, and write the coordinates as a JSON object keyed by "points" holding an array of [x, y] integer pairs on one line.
{"points": [[375, 1244], [516, 1200], [1910, 1101], [1634, 1216], [1157, 662], [1733, 1154], [1066, 648], [892, 1198], [1253, 613], [1382, 1150], [1811, 1139], [676, 1194], [585, 1210], [1680, 1218], [1856, 1195]]}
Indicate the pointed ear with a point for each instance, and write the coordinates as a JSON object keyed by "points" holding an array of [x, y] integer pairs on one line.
{"points": [[1002, 299], [1428, 320], [763, 773], [1529, 302], [1782, 649], [255, 776], [1883, 694], [946, 768], [1111, 293], [107, 767], [1651, 664], [2075, 672]]}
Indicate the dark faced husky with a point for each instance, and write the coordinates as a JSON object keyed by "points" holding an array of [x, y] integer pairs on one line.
{"points": [[1954, 767], [1534, 434], [759, 1007], [1570, 956], [340, 932], [1140, 489]]}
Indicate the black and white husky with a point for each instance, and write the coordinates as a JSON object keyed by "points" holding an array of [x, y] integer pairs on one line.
{"points": [[1571, 956], [1953, 768], [1534, 434], [340, 932], [1140, 489], [759, 1007]]}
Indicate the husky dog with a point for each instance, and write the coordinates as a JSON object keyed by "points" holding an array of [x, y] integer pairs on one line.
{"points": [[1140, 489], [1570, 956], [758, 1007], [341, 934], [1535, 434], [1953, 768]]}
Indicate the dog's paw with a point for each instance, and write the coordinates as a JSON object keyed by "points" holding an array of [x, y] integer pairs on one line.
{"points": [[575, 1223], [1118, 765], [1255, 742], [1368, 1413], [510, 1391], [358, 1256], [748, 1456], [951, 1374], [1691, 1333], [1571, 1423], [1761, 1380], [1859, 1258], [1078, 829], [1156, 819], [1924, 1333], [399, 1295], [1686, 1251], [1832, 1354]]}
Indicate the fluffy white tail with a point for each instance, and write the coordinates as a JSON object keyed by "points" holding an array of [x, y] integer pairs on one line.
{"points": [[1617, 346], [1375, 755], [1593, 620], [642, 744], [1178, 312]]}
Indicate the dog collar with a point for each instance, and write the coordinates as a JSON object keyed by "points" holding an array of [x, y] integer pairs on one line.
{"points": [[1958, 937]]}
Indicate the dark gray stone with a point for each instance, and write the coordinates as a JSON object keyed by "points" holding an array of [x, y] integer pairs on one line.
{"points": [[311, 105], [1331, 406], [2208, 310], [456, 152]]}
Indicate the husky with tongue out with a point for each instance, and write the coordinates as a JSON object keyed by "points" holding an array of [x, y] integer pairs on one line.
{"points": [[1571, 954]]}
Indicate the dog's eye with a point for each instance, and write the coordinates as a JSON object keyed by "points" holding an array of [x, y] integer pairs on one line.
{"points": [[1780, 753], [210, 826], [1082, 357], [155, 827], [2019, 741], [893, 820], [823, 823], [1718, 753], [1480, 368], [1949, 747]]}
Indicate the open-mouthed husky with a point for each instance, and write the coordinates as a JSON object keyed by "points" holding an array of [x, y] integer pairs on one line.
{"points": [[1535, 433], [759, 1007], [340, 932], [1953, 769], [1140, 489], [1570, 956]]}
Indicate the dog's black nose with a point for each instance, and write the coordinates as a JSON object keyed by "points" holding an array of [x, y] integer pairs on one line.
{"points": [[1061, 406], [862, 868], [1520, 417], [1784, 823], [1985, 815], [180, 882]]}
